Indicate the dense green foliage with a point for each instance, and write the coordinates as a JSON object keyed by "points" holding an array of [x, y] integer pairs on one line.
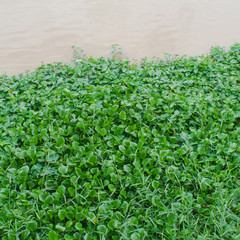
{"points": [[107, 149]]}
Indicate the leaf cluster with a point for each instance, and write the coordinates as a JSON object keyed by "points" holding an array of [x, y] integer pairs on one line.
{"points": [[108, 149]]}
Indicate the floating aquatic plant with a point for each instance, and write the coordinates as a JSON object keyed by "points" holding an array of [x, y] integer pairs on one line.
{"points": [[107, 149]]}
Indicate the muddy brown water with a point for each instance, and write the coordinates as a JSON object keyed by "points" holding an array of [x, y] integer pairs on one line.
{"points": [[35, 31]]}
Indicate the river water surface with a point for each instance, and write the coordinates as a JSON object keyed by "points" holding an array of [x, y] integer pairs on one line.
{"points": [[32, 31]]}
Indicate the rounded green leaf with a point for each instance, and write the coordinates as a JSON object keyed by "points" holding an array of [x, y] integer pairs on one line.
{"points": [[49, 199], [60, 228], [122, 148], [32, 226], [102, 229], [123, 115], [53, 235], [135, 236], [62, 214], [155, 184], [61, 190], [68, 237], [25, 233], [78, 226], [172, 217], [60, 142], [63, 169]]}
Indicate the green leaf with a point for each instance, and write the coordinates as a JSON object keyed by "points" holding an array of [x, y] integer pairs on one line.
{"points": [[93, 159], [92, 216], [201, 150], [122, 148], [63, 169], [111, 187], [25, 233], [156, 201], [23, 170], [49, 199], [155, 184], [13, 170], [127, 168], [172, 217], [32, 226], [60, 228], [52, 157], [102, 229], [23, 173], [78, 226], [71, 191], [114, 224], [62, 214], [116, 204], [135, 236], [60, 142], [69, 224], [75, 146], [104, 132], [53, 235], [122, 115], [68, 237], [61, 190]]}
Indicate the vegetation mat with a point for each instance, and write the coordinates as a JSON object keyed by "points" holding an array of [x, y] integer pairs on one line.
{"points": [[112, 149]]}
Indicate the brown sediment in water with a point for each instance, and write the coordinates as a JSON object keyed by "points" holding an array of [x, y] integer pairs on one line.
{"points": [[41, 30]]}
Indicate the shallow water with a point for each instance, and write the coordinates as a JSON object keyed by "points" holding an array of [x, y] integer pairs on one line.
{"points": [[45, 30]]}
